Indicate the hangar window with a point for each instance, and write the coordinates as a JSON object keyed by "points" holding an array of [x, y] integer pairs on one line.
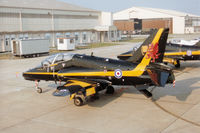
{"points": [[118, 33], [47, 36], [112, 34], [58, 35], [6, 42], [67, 34], [26, 36], [76, 37], [71, 41], [84, 36]]}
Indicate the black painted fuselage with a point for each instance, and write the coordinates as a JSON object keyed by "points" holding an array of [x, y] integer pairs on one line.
{"points": [[95, 68]]}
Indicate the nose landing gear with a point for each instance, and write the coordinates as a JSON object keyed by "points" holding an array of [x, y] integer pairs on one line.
{"points": [[38, 89]]}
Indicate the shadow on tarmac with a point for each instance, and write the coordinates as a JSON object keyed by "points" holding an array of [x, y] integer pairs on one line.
{"points": [[105, 98], [182, 90]]}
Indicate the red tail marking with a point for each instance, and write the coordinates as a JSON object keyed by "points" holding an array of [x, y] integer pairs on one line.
{"points": [[153, 52]]}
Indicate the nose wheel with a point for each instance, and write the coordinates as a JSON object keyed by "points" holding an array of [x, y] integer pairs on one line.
{"points": [[38, 89]]}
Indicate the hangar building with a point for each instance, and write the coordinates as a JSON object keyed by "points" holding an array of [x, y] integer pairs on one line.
{"points": [[142, 18], [52, 19]]}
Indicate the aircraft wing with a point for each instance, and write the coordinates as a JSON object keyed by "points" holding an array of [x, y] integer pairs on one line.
{"points": [[84, 87], [87, 88]]}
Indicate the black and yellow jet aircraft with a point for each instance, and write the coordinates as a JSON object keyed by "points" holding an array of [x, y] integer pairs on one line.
{"points": [[174, 53], [86, 75], [177, 52]]}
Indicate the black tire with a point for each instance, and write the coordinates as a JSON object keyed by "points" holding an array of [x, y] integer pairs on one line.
{"points": [[165, 63], [95, 96], [39, 90], [78, 101], [178, 64], [110, 90]]}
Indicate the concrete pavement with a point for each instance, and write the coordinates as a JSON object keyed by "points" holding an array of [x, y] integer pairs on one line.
{"points": [[170, 110]]}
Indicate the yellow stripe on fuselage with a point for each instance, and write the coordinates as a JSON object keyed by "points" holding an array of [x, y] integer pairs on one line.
{"points": [[172, 53], [181, 53], [41, 73], [138, 71]]}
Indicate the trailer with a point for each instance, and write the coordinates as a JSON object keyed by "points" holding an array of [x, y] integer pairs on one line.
{"points": [[30, 47]]}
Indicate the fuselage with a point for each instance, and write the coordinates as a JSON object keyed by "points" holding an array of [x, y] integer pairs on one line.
{"points": [[182, 52], [93, 68]]}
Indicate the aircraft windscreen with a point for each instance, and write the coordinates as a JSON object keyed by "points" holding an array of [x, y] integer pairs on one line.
{"points": [[57, 58]]}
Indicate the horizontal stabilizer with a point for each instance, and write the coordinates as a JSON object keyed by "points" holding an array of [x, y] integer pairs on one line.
{"points": [[159, 77]]}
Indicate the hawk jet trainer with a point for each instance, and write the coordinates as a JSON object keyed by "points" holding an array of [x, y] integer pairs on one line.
{"points": [[174, 53], [86, 75]]}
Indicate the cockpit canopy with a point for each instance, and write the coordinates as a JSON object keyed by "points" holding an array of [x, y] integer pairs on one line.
{"points": [[57, 58]]}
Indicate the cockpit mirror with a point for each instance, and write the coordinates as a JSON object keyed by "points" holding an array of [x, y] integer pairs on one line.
{"points": [[45, 64]]}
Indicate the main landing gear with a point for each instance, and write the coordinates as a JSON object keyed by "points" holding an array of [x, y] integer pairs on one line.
{"points": [[177, 64], [110, 90], [80, 98], [78, 101], [38, 89]]}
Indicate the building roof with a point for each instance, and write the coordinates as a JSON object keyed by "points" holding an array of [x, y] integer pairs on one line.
{"points": [[43, 4], [148, 13]]}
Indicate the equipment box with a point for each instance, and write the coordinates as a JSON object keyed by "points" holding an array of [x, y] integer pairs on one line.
{"points": [[66, 43]]}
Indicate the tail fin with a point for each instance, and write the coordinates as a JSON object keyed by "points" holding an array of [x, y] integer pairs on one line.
{"points": [[155, 46]]}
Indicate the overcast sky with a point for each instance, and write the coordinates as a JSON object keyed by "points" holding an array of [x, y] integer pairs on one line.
{"points": [[188, 6]]}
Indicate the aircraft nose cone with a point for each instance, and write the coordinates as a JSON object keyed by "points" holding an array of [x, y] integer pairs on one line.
{"points": [[28, 75]]}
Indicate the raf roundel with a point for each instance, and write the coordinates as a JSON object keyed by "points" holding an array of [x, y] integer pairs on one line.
{"points": [[189, 52], [118, 73]]}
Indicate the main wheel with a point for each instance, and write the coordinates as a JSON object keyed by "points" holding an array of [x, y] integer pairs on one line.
{"points": [[78, 101], [110, 90], [39, 90], [177, 65], [95, 96]]}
